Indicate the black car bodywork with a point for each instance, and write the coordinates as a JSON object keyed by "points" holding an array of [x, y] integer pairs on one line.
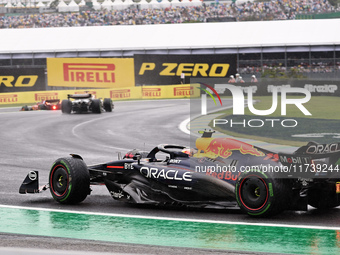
{"points": [[48, 104], [219, 173], [85, 103]]}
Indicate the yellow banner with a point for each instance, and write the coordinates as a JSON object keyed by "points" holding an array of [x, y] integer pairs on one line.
{"points": [[91, 72], [145, 92], [171, 91]]}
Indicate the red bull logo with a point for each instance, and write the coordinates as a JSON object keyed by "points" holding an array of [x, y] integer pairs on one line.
{"points": [[228, 175], [224, 147]]}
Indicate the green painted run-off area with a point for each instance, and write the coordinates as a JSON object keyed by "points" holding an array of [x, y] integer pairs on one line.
{"points": [[166, 232]]}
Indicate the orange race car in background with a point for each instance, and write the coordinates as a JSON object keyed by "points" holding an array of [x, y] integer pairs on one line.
{"points": [[50, 104]]}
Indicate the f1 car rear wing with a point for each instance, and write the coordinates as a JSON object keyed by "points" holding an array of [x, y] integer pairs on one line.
{"points": [[317, 150], [79, 96], [326, 152], [31, 184], [52, 101]]}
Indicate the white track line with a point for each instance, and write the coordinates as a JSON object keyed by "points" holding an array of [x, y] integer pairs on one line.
{"points": [[172, 218], [183, 126]]}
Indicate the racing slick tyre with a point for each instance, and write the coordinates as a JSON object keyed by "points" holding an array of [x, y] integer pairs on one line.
{"points": [[260, 195], [96, 106], [25, 108], [69, 180], [107, 104], [325, 195], [66, 106], [42, 107]]}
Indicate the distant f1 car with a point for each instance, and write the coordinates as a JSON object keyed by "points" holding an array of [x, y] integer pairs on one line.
{"points": [[48, 104], [219, 173], [85, 103]]}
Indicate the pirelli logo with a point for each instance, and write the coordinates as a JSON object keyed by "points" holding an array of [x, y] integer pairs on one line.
{"points": [[9, 98], [152, 92], [45, 96], [87, 72], [121, 93], [183, 91]]}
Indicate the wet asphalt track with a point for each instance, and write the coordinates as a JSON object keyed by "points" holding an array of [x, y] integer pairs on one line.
{"points": [[33, 140]]}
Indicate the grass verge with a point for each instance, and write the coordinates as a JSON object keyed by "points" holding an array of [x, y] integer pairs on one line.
{"points": [[325, 121]]}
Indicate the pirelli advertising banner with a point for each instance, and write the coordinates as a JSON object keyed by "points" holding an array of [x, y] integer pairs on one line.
{"points": [[266, 88], [90, 72], [176, 69], [24, 79], [128, 93]]}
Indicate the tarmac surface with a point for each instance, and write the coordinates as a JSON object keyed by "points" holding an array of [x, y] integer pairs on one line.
{"points": [[33, 140]]}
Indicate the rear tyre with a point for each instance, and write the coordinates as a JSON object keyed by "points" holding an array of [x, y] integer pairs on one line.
{"points": [[25, 108], [96, 106], [69, 180], [42, 107], [325, 196], [107, 104], [66, 106], [260, 195]]}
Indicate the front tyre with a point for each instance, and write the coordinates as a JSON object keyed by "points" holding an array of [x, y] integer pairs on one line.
{"points": [[260, 195], [69, 180]]}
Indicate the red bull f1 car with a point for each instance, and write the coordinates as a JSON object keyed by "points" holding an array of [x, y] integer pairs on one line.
{"points": [[48, 104], [81, 103], [218, 173]]}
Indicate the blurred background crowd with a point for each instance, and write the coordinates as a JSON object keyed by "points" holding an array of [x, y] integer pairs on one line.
{"points": [[136, 15]]}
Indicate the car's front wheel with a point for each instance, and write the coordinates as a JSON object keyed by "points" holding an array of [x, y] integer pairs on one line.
{"points": [[69, 180]]}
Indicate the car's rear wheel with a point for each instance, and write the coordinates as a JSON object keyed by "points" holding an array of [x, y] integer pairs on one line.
{"points": [[66, 106], [107, 104], [260, 195], [69, 180], [325, 195], [25, 108], [42, 107], [96, 106]]}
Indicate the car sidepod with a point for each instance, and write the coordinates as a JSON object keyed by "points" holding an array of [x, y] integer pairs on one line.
{"points": [[164, 183]]}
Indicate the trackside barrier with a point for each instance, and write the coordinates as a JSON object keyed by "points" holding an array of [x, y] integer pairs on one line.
{"points": [[143, 92]]}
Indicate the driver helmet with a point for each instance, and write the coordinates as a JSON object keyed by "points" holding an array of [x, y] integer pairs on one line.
{"points": [[189, 151]]}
